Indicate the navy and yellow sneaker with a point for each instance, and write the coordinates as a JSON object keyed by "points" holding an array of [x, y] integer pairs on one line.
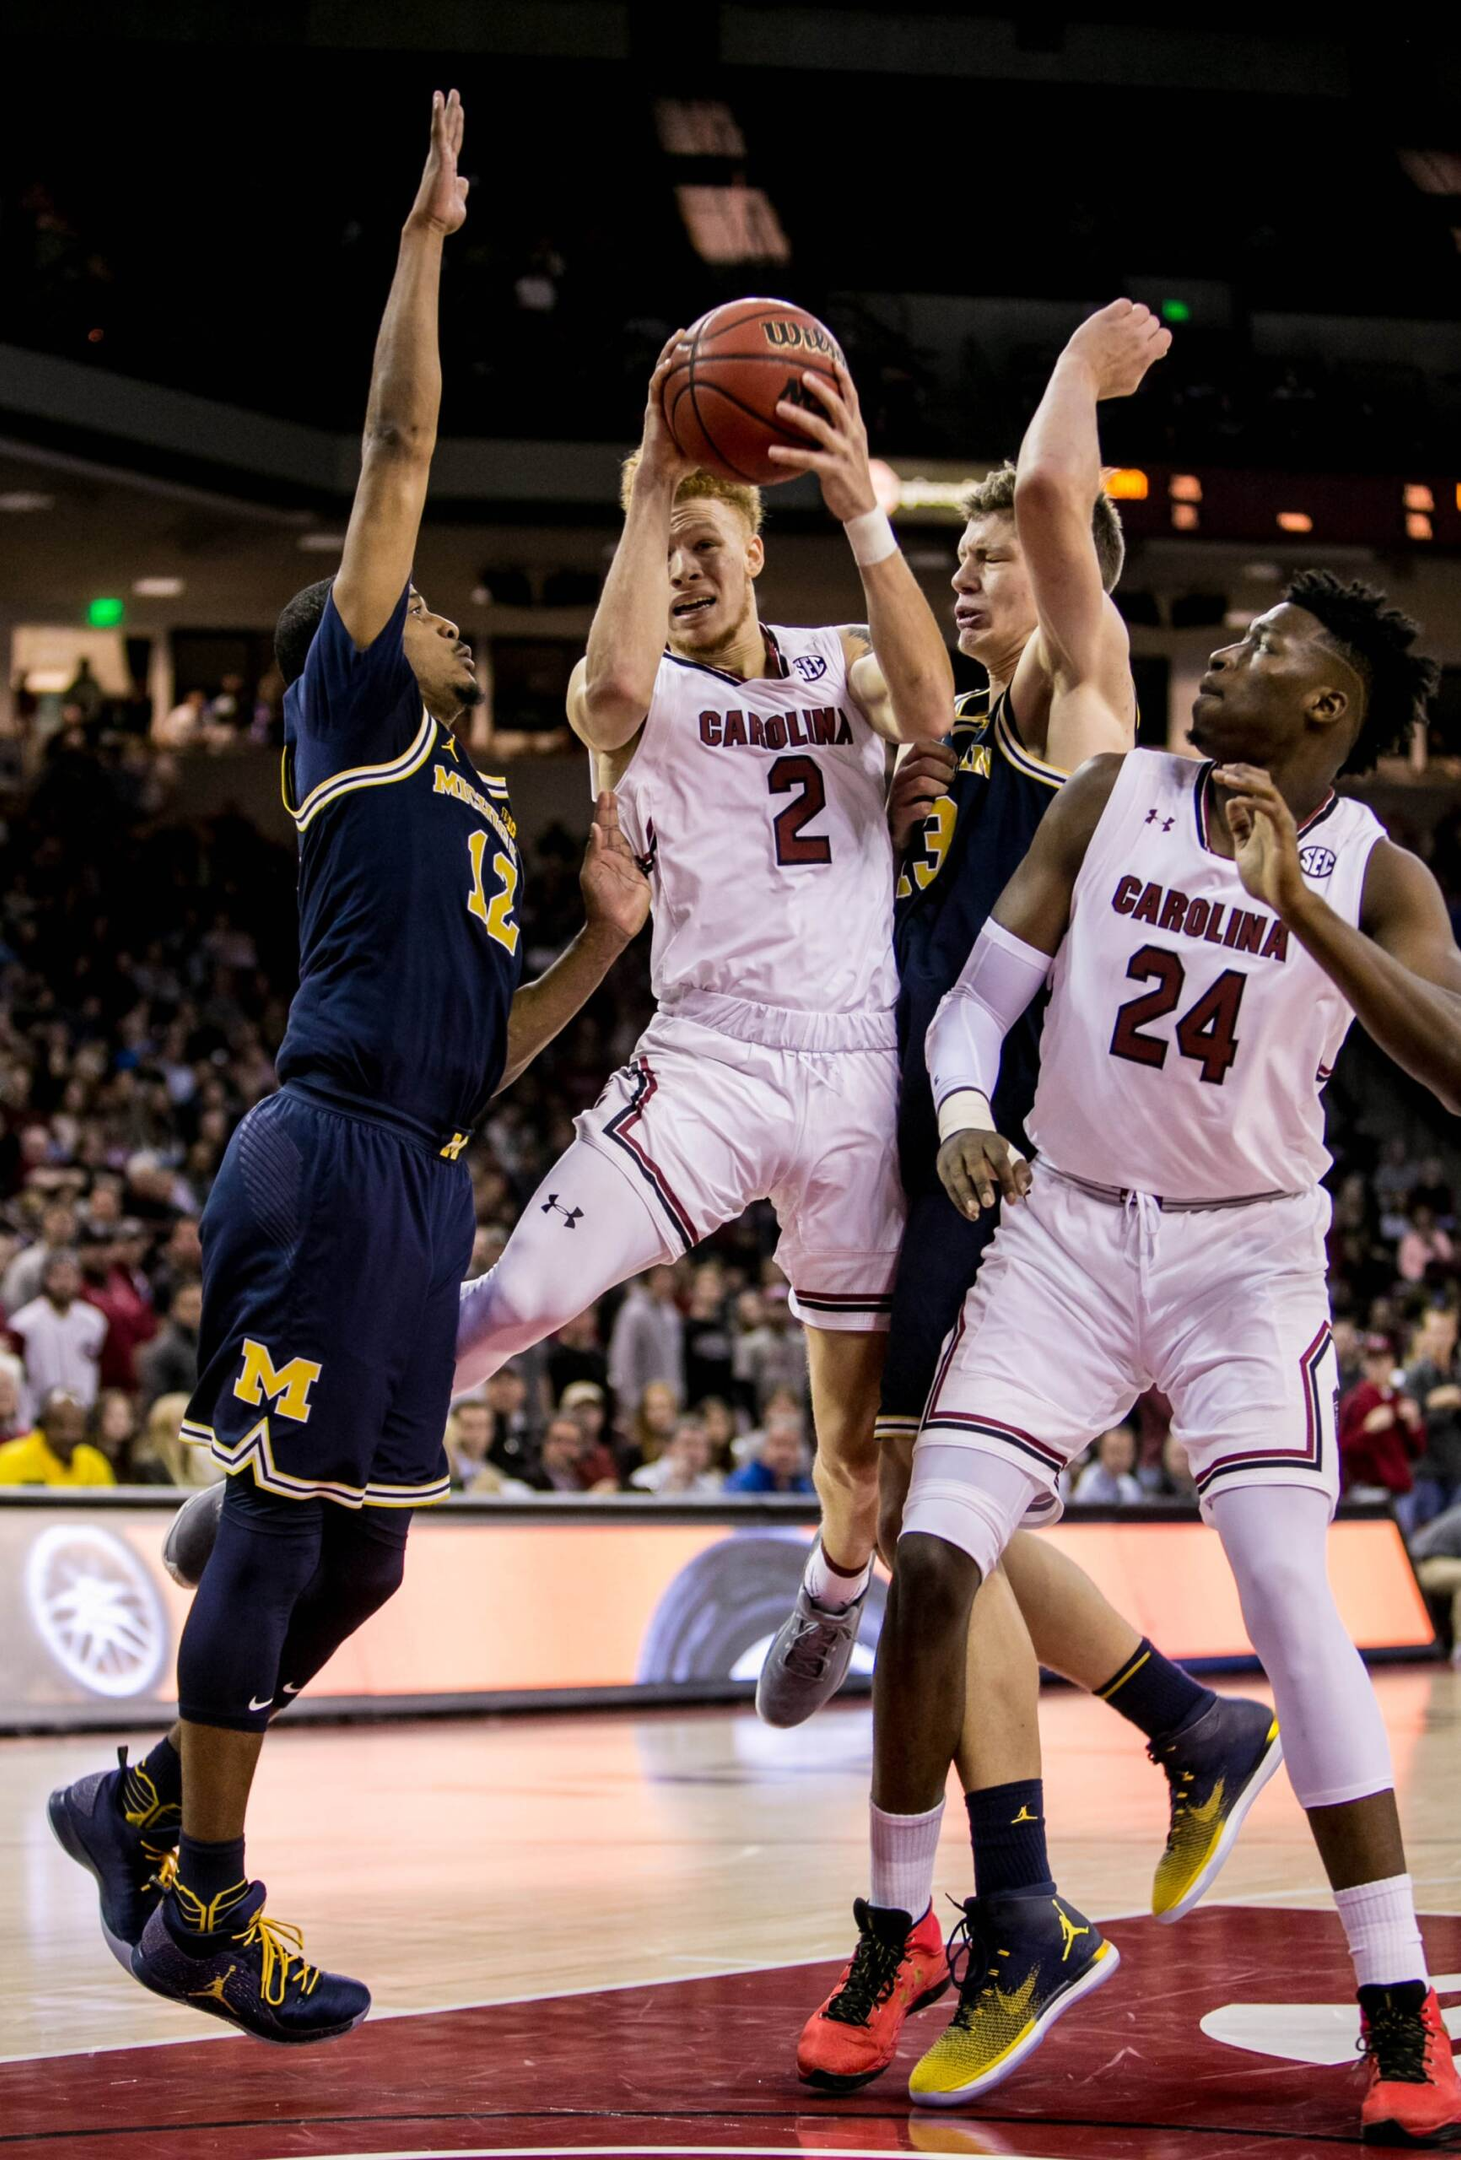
{"points": [[1216, 1767], [243, 1967], [1030, 1959], [113, 1824]]}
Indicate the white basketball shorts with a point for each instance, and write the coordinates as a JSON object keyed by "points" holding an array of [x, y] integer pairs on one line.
{"points": [[705, 1123], [1082, 1303]]}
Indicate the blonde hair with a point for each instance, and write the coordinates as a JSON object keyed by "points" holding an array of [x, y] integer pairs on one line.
{"points": [[994, 496], [701, 486], [162, 1443]]}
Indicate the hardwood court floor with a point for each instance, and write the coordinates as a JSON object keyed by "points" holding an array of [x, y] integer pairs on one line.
{"points": [[583, 1935]]}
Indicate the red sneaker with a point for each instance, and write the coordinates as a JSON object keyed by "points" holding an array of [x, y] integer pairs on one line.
{"points": [[896, 1968], [1414, 2095]]}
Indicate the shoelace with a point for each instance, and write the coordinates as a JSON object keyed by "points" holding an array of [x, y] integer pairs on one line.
{"points": [[165, 1869], [1177, 1780], [1397, 2039], [809, 1652], [283, 1947], [870, 1980], [965, 1943]]}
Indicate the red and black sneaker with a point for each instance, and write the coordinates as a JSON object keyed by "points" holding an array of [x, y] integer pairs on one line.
{"points": [[1414, 2095], [896, 1968]]}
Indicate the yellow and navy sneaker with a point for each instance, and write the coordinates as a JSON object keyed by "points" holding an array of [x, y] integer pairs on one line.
{"points": [[247, 1969], [1030, 1959], [113, 1824], [1216, 1768]]}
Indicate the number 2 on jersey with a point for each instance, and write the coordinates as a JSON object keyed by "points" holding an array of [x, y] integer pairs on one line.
{"points": [[496, 913], [1207, 1033], [793, 845]]}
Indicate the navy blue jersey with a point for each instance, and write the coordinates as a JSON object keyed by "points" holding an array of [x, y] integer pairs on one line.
{"points": [[409, 950], [956, 867]]}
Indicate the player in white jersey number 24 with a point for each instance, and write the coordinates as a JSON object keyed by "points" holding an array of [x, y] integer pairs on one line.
{"points": [[750, 769], [1213, 926]]}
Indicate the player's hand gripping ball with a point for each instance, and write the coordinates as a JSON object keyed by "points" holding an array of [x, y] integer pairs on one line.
{"points": [[731, 370]]}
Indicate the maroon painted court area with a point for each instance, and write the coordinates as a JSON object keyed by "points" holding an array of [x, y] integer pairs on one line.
{"points": [[706, 2065]]}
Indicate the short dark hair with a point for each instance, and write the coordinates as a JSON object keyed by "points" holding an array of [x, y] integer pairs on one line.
{"points": [[994, 496], [1376, 640], [294, 632]]}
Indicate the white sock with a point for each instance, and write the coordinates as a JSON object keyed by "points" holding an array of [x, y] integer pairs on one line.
{"points": [[831, 1586], [1384, 1939], [903, 1856]]}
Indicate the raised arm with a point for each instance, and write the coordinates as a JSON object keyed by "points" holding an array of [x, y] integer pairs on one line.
{"points": [[1005, 971], [609, 694], [615, 905], [907, 690], [1399, 969], [405, 396], [1081, 642]]}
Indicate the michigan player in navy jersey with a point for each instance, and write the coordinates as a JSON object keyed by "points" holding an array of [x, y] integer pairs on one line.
{"points": [[964, 814], [341, 1223]]}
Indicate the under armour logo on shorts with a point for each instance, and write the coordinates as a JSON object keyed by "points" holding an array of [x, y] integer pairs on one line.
{"points": [[572, 1216]]}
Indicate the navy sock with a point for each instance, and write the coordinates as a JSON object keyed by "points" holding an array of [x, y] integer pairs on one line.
{"points": [[212, 1879], [152, 1791], [1156, 1695], [1007, 1824]]}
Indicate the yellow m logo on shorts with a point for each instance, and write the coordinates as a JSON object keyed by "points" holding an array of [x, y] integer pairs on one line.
{"points": [[286, 1386]]}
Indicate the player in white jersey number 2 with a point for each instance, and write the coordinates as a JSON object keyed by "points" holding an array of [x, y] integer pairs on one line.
{"points": [[1213, 927], [750, 770]]}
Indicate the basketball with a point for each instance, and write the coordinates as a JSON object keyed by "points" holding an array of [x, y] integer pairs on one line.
{"points": [[737, 363]]}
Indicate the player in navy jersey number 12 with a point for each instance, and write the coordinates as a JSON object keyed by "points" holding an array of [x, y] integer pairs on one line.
{"points": [[341, 1222]]}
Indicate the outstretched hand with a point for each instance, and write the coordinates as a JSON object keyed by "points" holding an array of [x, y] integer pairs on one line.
{"points": [[659, 454], [1118, 345], [441, 199], [615, 890]]}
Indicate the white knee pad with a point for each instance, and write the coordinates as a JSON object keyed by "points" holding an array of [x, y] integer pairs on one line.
{"points": [[584, 1230], [1334, 1739], [968, 1498]]}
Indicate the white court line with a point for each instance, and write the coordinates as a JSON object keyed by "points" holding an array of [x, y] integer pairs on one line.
{"points": [[618, 2152]]}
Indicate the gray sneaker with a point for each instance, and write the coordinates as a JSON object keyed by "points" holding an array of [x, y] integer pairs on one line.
{"points": [[808, 1661]]}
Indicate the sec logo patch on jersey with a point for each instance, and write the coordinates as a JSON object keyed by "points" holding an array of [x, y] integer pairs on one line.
{"points": [[1317, 861], [810, 666]]}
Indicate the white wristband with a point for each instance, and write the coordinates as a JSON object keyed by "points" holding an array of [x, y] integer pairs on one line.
{"points": [[870, 537], [966, 1110]]}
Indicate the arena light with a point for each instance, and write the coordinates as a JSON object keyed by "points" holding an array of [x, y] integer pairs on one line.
{"points": [[1295, 521], [1185, 517], [1185, 487], [1176, 311], [22, 499], [105, 613], [157, 588], [318, 543], [921, 491], [1127, 484], [1418, 526], [1418, 496]]}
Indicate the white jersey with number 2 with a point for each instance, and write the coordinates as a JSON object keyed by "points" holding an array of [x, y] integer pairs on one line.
{"points": [[759, 807], [1189, 1034]]}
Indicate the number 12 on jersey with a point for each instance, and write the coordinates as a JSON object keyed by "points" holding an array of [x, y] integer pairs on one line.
{"points": [[496, 913]]}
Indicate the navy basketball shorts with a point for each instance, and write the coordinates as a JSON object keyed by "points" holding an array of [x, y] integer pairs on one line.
{"points": [[937, 1265], [333, 1250]]}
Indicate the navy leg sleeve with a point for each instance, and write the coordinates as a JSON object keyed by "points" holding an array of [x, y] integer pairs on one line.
{"points": [[362, 1562], [941, 1253], [266, 1553]]}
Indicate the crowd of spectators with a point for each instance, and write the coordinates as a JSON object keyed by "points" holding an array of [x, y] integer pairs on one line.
{"points": [[145, 972]]}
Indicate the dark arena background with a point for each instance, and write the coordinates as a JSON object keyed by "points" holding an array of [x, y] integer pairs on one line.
{"points": [[531, 1802]]}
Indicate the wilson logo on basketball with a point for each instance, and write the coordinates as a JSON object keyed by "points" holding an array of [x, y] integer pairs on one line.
{"points": [[799, 336], [1317, 861]]}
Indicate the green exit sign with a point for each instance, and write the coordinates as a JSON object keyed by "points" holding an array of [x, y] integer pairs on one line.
{"points": [[1176, 311], [104, 614]]}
